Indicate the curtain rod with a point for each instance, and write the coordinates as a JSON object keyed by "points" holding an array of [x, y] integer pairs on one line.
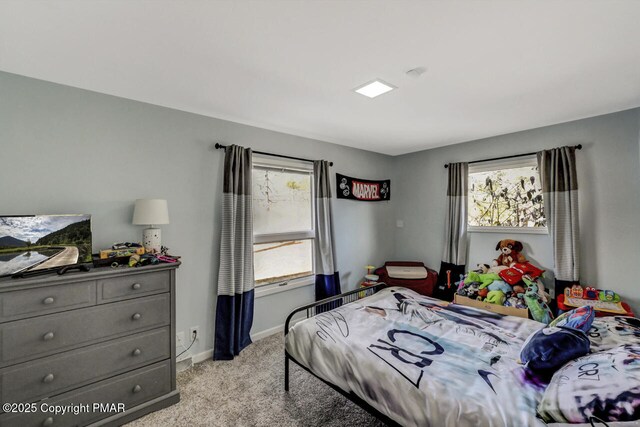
{"points": [[220, 147], [577, 147]]}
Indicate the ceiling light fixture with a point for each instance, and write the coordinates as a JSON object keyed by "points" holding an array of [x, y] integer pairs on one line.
{"points": [[374, 88]]}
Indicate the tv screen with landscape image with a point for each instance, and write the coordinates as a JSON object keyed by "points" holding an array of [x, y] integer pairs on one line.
{"points": [[41, 242]]}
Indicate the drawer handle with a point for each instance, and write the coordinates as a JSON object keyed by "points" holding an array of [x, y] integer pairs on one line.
{"points": [[48, 378], [48, 422], [137, 352], [136, 316], [136, 286], [137, 388], [48, 336], [48, 300]]}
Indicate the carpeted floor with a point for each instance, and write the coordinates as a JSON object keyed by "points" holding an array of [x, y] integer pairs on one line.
{"points": [[248, 391]]}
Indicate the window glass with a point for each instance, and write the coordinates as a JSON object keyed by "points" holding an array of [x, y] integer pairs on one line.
{"points": [[281, 201], [506, 197], [282, 261], [282, 220]]}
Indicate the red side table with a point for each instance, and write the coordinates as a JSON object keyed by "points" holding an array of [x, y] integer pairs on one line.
{"points": [[563, 308]]}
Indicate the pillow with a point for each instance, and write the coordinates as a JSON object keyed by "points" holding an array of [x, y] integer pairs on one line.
{"points": [[514, 274], [613, 331], [578, 318], [511, 276], [605, 385], [529, 269], [549, 348], [407, 272]]}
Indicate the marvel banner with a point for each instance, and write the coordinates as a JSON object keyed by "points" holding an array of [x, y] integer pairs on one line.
{"points": [[362, 189]]}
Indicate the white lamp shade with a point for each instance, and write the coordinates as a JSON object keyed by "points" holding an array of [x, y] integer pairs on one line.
{"points": [[150, 212]]}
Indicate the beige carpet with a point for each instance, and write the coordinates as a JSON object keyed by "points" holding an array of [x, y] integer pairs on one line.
{"points": [[248, 391]]}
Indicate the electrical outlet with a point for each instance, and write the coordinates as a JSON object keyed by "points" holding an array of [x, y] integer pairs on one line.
{"points": [[194, 330], [180, 338]]}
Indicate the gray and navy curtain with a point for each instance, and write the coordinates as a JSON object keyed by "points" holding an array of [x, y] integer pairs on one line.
{"points": [[454, 255], [327, 278], [560, 192], [455, 239], [234, 311]]}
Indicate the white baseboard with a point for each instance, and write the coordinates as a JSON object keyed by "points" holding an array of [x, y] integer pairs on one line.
{"points": [[201, 357], [208, 354], [267, 333], [184, 364]]}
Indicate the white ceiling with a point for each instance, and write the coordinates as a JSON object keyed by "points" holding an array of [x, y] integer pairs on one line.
{"points": [[493, 67]]}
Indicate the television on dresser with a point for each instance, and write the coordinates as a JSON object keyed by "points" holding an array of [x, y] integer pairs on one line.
{"points": [[30, 244]]}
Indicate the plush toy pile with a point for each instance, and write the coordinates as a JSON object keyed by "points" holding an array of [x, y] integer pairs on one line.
{"points": [[511, 281]]}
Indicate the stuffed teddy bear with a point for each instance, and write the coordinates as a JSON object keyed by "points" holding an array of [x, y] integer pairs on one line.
{"points": [[499, 285], [495, 297], [509, 253], [484, 279], [515, 300], [518, 289], [486, 268], [539, 309], [469, 290], [542, 293], [472, 291]]}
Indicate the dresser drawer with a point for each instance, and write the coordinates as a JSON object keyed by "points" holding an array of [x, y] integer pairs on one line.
{"points": [[28, 339], [27, 382], [49, 299], [131, 389], [133, 286]]}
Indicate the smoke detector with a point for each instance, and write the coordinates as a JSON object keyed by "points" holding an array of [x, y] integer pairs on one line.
{"points": [[416, 72]]}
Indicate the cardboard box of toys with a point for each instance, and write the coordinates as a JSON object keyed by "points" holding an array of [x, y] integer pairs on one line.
{"points": [[501, 309]]}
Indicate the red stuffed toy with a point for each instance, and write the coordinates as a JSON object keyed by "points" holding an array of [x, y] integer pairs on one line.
{"points": [[509, 253], [514, 274]]}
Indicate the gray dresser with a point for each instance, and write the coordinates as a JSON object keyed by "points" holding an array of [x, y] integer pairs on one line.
{"points": [[101, 337]]}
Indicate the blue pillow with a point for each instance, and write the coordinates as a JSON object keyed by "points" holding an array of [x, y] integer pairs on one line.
{"points": [[578, 318], [550, 348]]}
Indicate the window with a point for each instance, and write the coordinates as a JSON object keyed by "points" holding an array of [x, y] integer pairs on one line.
{"points": [[282, 220], [505, 195]]}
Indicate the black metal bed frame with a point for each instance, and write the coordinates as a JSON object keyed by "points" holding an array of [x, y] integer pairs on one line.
{"points": [[322, 306]]}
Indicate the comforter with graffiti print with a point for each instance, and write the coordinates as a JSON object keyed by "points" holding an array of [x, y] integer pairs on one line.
{"points": [[422, 361]]}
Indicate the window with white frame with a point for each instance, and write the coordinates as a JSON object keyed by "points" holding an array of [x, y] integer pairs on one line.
{"points": [[505, 195], [283, 222]]}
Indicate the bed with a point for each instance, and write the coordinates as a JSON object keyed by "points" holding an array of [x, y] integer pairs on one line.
{"points": [[413, 360]]}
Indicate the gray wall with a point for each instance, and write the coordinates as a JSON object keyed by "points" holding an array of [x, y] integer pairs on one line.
{"points": [[608, 176], [66, 150]]}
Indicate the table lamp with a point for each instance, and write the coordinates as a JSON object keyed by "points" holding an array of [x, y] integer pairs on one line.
{"points": [[151, 212]]}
